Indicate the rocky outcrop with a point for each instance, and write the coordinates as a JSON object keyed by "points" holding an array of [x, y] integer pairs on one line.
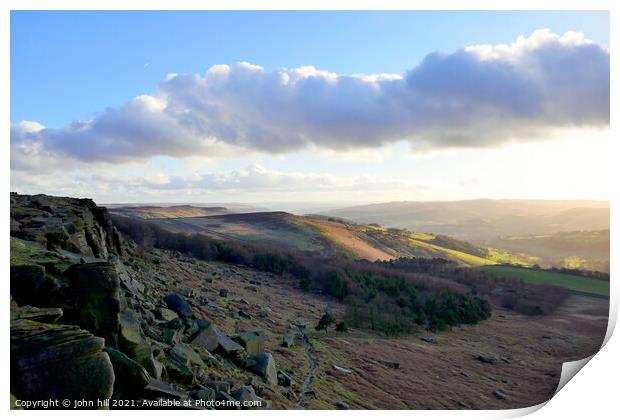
{"points": [[71, 224], [118, 328], [56, 361]]}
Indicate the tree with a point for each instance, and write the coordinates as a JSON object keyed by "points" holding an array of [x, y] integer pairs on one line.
{"points": [[326, 320], [342, 326]]}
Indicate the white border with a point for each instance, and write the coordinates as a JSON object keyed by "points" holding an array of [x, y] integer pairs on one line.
{"points": [[592, 395]]}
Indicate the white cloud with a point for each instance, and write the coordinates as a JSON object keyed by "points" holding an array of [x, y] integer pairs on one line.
{"points": [[479, 96]]}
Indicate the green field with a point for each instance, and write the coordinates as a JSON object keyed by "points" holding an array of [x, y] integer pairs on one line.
{"points": [[462, 256], [529, 275]]}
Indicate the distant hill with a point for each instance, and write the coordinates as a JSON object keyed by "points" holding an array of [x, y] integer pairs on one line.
{"points": [[157, 212], [579, 249], [326, 236], [482, 220]]}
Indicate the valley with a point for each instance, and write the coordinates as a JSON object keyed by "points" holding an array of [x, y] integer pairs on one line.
{"points": [[227, 307]]}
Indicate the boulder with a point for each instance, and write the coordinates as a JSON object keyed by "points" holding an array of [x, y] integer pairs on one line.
{"points": [[132, 342], [253, 342], [58, 362], [178, 304], [207, 337], [223, 293], [263, 365], [130, 377]]}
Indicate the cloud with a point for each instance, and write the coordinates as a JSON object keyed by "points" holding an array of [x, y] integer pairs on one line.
{"points": [[478, 96], [104, 182]]}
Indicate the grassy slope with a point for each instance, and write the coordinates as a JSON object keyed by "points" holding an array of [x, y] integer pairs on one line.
{"points": [[576, 283], [462, 256]]}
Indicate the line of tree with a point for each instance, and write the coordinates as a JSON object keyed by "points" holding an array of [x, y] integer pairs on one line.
{"points": [[385, 299], [509, 292]]}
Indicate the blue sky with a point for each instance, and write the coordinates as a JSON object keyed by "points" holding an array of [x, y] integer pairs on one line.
{"points": [[115, 56], [239, 133]]}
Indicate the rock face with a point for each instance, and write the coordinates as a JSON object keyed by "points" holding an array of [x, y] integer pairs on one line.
{"points": [[96, 289], [58, 361], [72, 224], [30, 285]]}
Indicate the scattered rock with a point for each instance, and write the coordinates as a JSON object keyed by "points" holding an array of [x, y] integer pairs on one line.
{"points": [[342, 369], [428, 338], [500, 395], [487, 358]]}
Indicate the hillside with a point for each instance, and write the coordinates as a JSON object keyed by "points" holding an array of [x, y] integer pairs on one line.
{"points": [[326, 236], [482, 220]]}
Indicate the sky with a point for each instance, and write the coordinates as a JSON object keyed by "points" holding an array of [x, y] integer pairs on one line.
{"points": [[310, 107]]}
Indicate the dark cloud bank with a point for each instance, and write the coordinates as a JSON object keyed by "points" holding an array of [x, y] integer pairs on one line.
{"points": [[475, 97]]}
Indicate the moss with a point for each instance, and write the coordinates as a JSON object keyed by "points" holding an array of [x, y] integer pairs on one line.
{"points": [[26, 252]]}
